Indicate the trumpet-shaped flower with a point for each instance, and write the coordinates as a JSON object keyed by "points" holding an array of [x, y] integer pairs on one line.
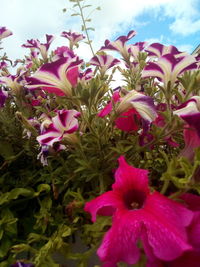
{"points": [[168, 68], [4, 32], [120, 44], [56, 77], [105, 62], [192, 257], [137, 214], [190, 112], [62, 126], [136, 48], [141, 103], [73, 37], [159, 50], [42, 47]]}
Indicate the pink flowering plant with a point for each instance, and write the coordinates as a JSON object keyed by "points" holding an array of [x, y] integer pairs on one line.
{"points": [[93, 174]]}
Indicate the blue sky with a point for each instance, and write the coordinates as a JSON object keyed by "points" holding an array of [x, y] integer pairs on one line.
{"points": [[175, 22]]}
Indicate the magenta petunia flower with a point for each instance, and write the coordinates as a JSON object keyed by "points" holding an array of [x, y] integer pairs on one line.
{"points": [[190, 113], [104, 62], [56, 77], [159, 50], [139, 215], [61, 126], [192, 141], [42, 47], [142, 104], [192, 257], [4, 32], [120, 44], [73, 37], [168, 68]]}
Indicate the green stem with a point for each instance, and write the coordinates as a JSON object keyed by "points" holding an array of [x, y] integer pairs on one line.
{"points": [[85, 28]]}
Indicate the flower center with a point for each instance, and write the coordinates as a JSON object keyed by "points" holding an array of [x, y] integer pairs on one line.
{"points": [[134, 199]]}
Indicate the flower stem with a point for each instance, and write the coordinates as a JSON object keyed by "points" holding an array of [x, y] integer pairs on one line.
{"points": [[84, 26]]}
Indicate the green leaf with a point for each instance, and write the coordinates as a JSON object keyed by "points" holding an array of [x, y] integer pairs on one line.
{"points": [[14, 194], [75, 14]]}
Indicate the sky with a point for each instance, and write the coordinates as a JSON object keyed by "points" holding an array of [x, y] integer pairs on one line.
{"points": [[175, 22]]}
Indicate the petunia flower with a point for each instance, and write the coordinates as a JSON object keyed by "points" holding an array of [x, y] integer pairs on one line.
{"points": [[159, 50], [3, 97], [120, 44], [73, 37], [13, 81], [190, 113], [104, 62], [192, 141], [168, 68], [192, 257], [4, 32], [139, 215], [141, 103], [61, 126], [56, 77], [136, 48], [63, 51], [42, 47]]}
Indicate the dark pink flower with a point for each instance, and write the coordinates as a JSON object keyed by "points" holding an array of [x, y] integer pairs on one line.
{"points": [[127, 121], [192, 141], [138, 214], [192, 257]]}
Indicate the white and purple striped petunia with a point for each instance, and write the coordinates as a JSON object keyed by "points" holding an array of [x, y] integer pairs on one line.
{"points": [[62, 126], [4, 32], [104, 62], [143, 104], [56, 77], [168, 68], [136, 48], [190, 112], [42, 47], [73, 37], [120, 44], [159, 50]]}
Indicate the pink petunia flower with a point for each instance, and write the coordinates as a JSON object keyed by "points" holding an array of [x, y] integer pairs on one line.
{"points": [[192, 257], [139, 215]]}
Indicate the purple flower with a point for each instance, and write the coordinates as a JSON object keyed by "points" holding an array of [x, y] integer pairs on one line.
{"points": [[56, 77], [12, 81], [3, 65], [3, 96], [141, 103], [139, 215], [73, 37], [62, 126], [135, 49], [42, 47], [168, 68], [159, 50], [4, 32], [190, 113], [63, 51], [104, 62], [120, 44]]}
